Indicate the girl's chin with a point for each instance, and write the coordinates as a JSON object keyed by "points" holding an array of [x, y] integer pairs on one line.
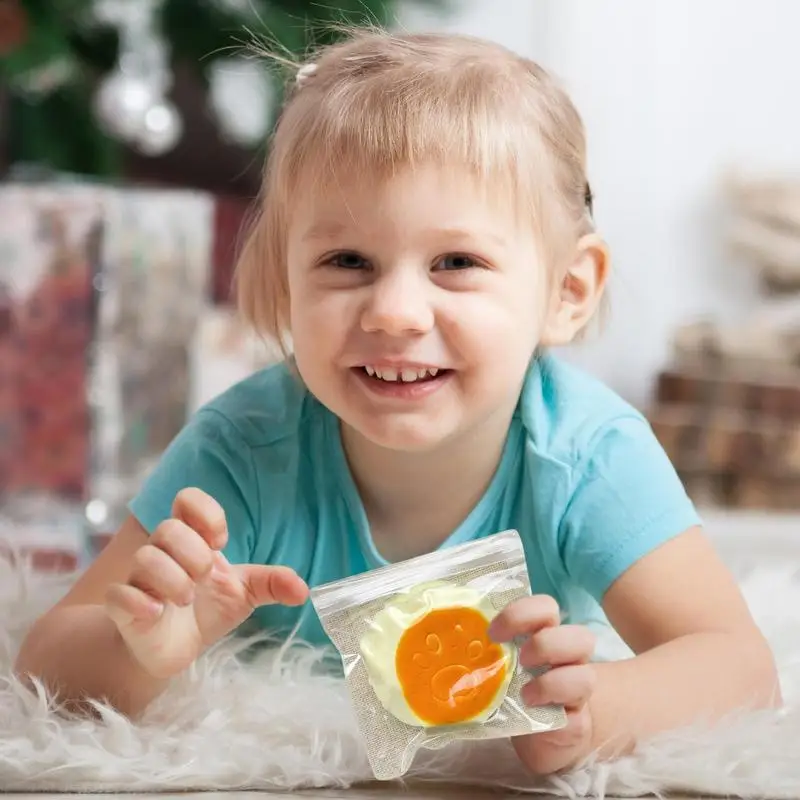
{"points": [[405, 438]]}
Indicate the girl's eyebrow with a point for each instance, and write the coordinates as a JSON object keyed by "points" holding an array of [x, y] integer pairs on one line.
{"points": [[325, 229], [330, 229], [466, 233]]}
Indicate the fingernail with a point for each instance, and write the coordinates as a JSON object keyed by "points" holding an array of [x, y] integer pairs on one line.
{"points": [[218, 564], [216, 571], [495, 632], [157, 608], [530, 694]]}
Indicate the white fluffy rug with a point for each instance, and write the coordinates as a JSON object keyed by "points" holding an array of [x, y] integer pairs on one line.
{"points": [[275, 724]]}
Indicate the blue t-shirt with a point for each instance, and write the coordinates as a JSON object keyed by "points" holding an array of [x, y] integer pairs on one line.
{"points": [[582, 478]]}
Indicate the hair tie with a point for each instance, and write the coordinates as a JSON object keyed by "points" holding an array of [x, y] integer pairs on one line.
{"points": [[304, 73]]}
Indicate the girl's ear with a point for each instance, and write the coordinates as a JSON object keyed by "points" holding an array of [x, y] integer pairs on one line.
{"points": [[576, 297]]}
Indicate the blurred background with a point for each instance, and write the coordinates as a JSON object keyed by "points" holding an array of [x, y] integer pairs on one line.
{"points": [[132, 135]]}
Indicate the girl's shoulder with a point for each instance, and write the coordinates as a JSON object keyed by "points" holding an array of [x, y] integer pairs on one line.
{"points": [[265, 407], [243, 448], [566, 412], [602, 489]]}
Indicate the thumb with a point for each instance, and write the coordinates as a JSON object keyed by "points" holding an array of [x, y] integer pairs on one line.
{"points": [[266, 585]]}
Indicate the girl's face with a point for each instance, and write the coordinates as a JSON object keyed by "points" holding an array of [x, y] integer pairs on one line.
{"points": [[416, 305]]}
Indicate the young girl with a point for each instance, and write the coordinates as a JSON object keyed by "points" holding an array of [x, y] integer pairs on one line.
{"points": [[425, 237]]}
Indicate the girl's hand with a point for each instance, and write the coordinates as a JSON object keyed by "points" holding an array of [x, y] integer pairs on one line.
{"points": [[182, 595], [570, 681]]}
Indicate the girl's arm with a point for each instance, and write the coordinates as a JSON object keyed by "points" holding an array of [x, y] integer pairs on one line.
{"points": [[149, 607], [700, 655], [75, 649], [631, 538]]}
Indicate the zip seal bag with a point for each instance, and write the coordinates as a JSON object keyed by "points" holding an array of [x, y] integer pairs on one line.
{"points": [[420, 667]]}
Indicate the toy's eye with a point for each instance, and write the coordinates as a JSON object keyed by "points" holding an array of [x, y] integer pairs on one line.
{"points": [[475, 650], [433, 643]]}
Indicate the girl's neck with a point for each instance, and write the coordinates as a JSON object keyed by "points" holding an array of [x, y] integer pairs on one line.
{"points": [[414, 501]]}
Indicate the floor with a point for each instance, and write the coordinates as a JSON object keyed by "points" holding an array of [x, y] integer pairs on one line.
{"points": [[361, 794], [728, 530]]}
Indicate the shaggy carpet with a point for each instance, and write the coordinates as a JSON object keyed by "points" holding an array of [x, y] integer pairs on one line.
{"points": [[275, 722]]}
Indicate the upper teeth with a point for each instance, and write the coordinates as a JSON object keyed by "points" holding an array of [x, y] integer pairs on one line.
{"points": [[407, 375]]}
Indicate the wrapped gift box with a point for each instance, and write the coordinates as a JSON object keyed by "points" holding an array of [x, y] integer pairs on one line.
{"points": [[733, 436], [152, 294], [48, 252], [101, 294]]}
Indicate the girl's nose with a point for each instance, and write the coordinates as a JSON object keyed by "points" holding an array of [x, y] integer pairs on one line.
{"points": [[398, 305]]}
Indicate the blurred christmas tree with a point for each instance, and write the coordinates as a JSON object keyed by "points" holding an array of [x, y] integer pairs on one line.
{"points": [[86, 79]]}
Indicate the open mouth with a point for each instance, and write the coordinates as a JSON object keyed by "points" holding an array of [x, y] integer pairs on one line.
{"points": [[404, 375]]}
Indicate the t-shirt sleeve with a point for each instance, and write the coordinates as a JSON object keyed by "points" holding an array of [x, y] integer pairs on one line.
{"points": [[208, 454], [627, 500]]}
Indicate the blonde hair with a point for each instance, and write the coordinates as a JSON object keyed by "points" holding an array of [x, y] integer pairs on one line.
{"points": [[378, 101]]}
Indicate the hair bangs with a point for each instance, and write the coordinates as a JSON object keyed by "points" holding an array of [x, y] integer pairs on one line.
{"points": [[372, 131], [377, 103]]}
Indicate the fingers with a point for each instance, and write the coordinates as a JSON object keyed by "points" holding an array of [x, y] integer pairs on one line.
{"points": [[266, 585], [176, 556], [524, 617], [203, 514], [185, 547], [155, 572], [554, 751], [570, 687], [126, 604], [565, 649], [555, 647]]}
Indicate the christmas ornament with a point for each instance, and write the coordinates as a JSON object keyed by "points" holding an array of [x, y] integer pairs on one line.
{"points": [[161, 129], [131, 110], [45, 79], [131, 103], [241, 97], [121, 104], [13, 26]]}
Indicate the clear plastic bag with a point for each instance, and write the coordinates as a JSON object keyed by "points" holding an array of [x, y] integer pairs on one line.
{"points": [[421, 668]]}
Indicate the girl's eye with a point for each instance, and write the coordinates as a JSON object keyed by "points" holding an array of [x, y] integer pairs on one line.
{"points": [[456, 261], [348, 261]]}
